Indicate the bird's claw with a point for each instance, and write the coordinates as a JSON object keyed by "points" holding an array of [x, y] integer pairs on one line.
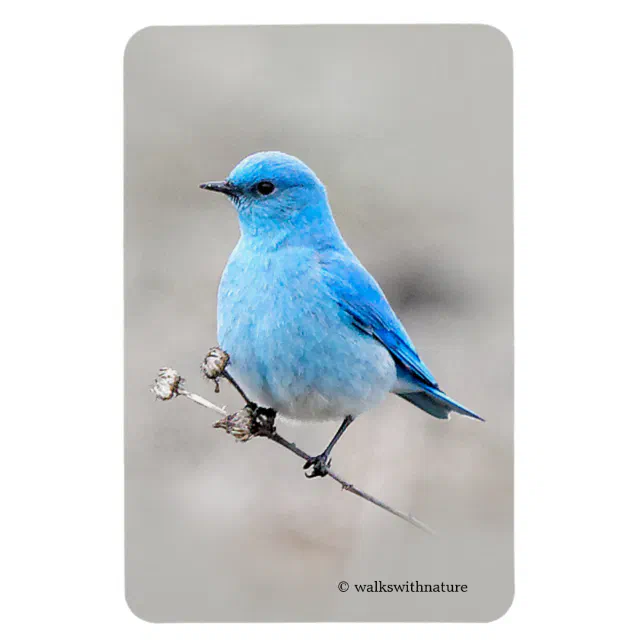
{"points": [[263, 420], [320, 465]]}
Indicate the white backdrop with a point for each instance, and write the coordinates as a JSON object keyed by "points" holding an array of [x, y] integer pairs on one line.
{"points": [[578, 230]]}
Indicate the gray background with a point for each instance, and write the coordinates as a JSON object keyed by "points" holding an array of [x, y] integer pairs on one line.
{"points": [[410, 128]]}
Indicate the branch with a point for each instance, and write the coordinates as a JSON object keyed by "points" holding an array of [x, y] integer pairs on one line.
{"points": [[252, 421]]}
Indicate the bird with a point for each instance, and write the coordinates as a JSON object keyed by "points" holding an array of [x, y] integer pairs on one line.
{"points": [[309, 331]]}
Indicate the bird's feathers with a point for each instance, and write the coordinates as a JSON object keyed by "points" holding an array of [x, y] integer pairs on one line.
{"points": [[300, 314], [437, 403], [359, 295]]}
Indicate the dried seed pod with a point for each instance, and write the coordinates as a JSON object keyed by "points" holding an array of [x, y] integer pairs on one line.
{"points": [[239, 424], [213, 365], [167, 384]]}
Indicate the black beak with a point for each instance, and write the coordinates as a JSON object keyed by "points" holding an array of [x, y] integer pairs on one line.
{"points": [[221, 186]]}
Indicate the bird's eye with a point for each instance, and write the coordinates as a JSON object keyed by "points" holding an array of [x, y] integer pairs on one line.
{"points": [[265, 188]]}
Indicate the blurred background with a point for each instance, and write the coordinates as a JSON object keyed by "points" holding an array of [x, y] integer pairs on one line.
{"points": [[410, 128]]}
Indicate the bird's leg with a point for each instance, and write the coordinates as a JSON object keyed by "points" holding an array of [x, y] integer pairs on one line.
{"points": [[321, 462]]}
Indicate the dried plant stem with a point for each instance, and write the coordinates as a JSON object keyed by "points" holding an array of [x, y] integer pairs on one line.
{"points": [[202, 401], [349, 487], [240, 391], [170, 385]]}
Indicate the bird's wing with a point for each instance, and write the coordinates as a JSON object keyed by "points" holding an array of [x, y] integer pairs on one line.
{"points": [[359, 295]]}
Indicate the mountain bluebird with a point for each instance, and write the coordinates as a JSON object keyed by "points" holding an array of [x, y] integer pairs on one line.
{"points": [[309, 332]]}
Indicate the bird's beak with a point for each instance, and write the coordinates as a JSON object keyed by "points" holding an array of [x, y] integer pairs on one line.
{"points": [[221, 186]]}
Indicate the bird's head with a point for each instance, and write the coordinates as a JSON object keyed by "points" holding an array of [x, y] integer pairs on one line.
{"points": [[276, 196]]}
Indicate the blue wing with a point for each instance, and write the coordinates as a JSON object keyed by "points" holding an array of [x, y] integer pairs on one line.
{"points": [[359, 295]]}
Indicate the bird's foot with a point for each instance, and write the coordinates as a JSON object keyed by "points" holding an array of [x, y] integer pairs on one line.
{"points": [[263, 420], [319, 464]]}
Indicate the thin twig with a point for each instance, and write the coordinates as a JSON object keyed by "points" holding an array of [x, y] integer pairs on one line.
{"points": [[169, 384], [349, 487], [240, 391], [202, 401]]}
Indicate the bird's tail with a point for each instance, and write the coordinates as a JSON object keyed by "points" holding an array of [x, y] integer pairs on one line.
{"points": [[437, 403]]}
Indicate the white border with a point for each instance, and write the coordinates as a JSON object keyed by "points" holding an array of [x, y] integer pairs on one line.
{"points": [[578, 283]]}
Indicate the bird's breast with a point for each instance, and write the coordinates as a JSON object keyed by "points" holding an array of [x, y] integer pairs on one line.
{"points": [[290, 344]]}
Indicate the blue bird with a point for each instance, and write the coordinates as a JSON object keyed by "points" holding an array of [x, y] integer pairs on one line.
{"points": [[309, 332]]}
